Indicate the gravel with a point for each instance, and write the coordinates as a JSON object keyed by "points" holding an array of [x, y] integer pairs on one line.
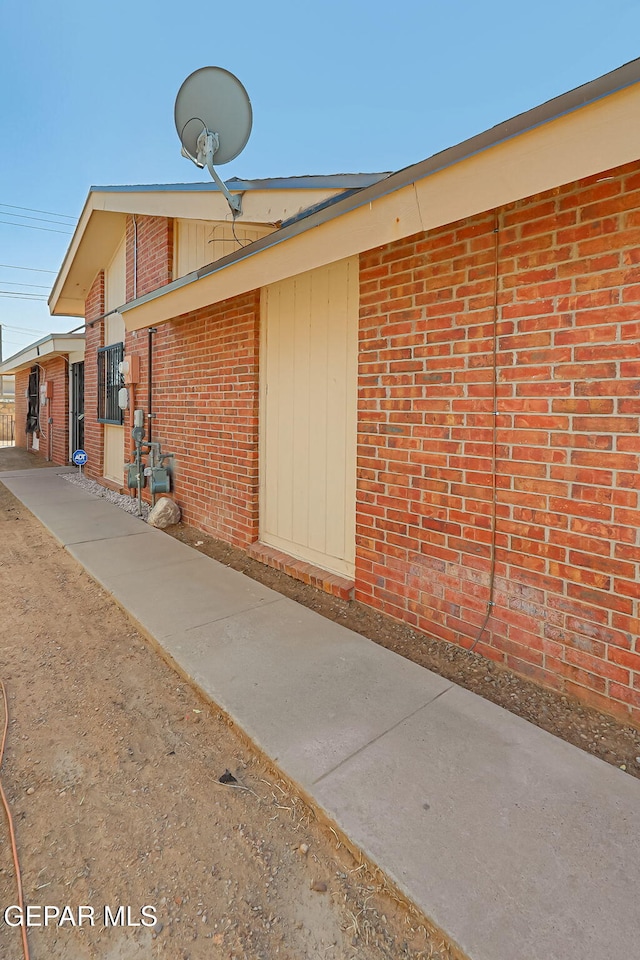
{"points": [[122, 500]]}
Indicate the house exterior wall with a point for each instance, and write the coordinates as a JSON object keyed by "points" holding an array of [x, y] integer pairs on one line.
{"points": [[568, 449], [205, 406], [564, 266], [94, 336], [56, 372], [199, 242], [308, 416], [54, 437], [152, 239], [22, 384], [204, 393]]}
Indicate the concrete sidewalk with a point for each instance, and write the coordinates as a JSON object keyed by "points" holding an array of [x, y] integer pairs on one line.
{"points": [[517, 845]]}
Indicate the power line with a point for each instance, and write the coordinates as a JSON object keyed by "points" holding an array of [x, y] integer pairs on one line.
{"points": [[14, 343], [8, 326], [16, 283], [23, 296], [14, 295], [24, 216], [32, 210], [12, 266], [29, 227]]}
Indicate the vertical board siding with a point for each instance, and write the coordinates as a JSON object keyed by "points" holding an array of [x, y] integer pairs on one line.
{"points": [[309, 422], [199, 242], [115, 289], [114, 453]]}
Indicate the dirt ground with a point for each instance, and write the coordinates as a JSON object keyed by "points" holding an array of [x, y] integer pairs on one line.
{"points": [[112, 770], [589, 729]]}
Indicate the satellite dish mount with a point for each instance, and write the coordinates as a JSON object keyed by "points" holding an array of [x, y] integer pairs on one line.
{"points": [[208, 144], [213, 118]]}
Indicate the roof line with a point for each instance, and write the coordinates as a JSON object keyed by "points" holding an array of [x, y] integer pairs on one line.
{"points": [[594, 90], [49, 337], [305, 182]]}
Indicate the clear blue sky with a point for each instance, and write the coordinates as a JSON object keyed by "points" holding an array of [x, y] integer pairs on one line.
{"points": [[88, 92]]}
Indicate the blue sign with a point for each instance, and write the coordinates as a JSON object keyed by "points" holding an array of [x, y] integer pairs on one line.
{"points": [[79, 458]]}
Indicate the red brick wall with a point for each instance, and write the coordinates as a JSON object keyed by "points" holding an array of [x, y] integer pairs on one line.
{"points": [[205, 405], [94, 339], [55, 371], [54, 437], [153, 238], [568, 449], [22, 383]]}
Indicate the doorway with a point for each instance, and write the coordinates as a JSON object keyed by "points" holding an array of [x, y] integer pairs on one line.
{"points": [[77, 406]]}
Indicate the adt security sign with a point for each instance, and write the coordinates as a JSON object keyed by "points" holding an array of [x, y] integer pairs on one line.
{"points": [[79, 458]]}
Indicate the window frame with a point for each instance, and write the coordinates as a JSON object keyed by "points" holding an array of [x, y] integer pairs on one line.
{"points": [[110, 381]]}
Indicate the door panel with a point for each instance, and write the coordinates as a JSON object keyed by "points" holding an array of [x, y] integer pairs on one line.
{"points": [[114, 453], [308, 416]]}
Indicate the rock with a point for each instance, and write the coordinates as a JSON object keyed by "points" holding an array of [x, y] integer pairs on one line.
{"points": [[30, 791], [319, 886], [303, 849], [164, 514], [158, 927], [227, 777]]}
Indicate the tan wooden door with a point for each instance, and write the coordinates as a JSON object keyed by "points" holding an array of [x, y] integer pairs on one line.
{"points": [[308, 416], [115, 296]]}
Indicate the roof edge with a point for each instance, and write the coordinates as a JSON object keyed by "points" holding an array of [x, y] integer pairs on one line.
{"points": [[610, 83], [346, 181], [34, 351]]}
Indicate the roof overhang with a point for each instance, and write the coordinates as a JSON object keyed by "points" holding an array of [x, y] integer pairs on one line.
{"points": [[580, 134], [53, 345], [102, 222]]}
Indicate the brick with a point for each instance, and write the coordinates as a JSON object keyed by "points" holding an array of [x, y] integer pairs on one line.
{"points": [[567, 433]]}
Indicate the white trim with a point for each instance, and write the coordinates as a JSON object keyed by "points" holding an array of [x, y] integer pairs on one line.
{"points": [[53, 345]]}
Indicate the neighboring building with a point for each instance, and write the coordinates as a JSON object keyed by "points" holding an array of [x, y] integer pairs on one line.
{"points": [[424, 392], [7, 389], [49, 410], [7, 410]]}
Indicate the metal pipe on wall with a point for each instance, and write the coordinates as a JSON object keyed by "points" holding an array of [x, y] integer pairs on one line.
{"points": [[151, 332], [135, 258]]}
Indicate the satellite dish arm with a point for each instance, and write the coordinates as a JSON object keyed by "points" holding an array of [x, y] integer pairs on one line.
{"points": [[208, 143]]}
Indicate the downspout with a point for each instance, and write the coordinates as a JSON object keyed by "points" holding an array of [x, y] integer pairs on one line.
{"points": [[151, 332], [132, 406], [135, 258], [494, 432]]}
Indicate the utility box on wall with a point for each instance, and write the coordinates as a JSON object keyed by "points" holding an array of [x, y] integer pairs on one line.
{"points": [[46, 390], [130, 369]]}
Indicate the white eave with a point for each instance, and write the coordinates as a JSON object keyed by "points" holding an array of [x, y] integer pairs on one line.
{"points": [[53, 345], [102, 222]]}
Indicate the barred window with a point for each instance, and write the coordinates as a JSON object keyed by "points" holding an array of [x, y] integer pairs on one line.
{"points": [[109, 383]]}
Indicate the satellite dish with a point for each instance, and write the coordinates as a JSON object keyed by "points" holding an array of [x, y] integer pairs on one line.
{"points": [[213, 118]]}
